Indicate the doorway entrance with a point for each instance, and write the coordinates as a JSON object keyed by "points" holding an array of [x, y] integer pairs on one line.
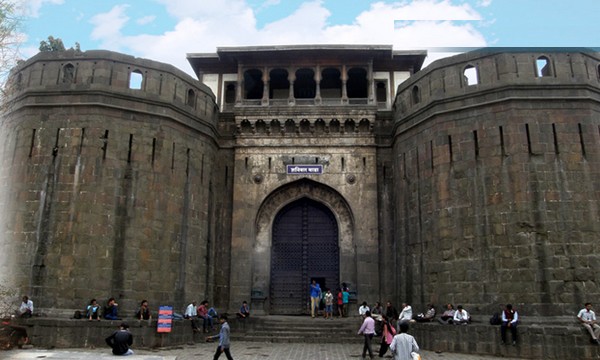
{"points": [[305, 246]]}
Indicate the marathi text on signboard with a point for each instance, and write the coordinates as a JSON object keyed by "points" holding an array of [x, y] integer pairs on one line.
{"points": [[165, 319], [304, 169]]}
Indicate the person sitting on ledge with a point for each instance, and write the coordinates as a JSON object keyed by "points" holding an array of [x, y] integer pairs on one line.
{"points": [[510, 317], [111, 309], [144, 311], [244, 311], [448, 315], [92, 312], [587, 318], [428, 316], [362, 310], [461, 316], [26, 308]]}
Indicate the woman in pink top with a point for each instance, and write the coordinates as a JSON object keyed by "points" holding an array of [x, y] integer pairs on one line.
{"points": [[387, 336]]}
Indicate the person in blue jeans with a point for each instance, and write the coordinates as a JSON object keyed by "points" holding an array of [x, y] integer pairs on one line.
{"points": [[315, 296], [111, 310]]}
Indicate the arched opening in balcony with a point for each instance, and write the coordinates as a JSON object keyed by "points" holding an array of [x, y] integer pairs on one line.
{"points": [[305, 86], [357, 84], [230, 92], [331, 84], [253, 84], [381, 91], [279, 84]]}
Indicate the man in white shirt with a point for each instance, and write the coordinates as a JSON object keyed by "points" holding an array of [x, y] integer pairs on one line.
{"points": [[587, 317], [461, 316], [26, 308], [362, 310], [406, 314], [191, 312]]}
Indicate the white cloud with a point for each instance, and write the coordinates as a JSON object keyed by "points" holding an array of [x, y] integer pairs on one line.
{"points": [[424, 24], [32, 7], [107, 27], [145, 20]]}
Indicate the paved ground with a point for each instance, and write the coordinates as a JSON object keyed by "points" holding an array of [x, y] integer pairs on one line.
{"points": [[239, 350]]}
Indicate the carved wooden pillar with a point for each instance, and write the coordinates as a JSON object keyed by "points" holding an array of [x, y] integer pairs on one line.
{"points": [[344, 83], [265, 79], [371, 84], [318, 99], [239, 86], [291, 79]]}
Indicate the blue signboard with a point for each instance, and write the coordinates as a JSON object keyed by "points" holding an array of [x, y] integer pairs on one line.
{"points": [[165, 319], [304, 169]]}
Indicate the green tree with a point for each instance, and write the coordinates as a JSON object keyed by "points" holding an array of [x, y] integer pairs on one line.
{"points": [[10, 38], [56, 44]]}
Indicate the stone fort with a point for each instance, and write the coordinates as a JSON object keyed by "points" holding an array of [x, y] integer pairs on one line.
{"points": [[474, 180]]}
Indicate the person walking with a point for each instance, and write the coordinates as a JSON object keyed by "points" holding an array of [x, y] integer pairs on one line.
{"points": [[368, 330], [224, 339], [387, 335], [404, 345]]}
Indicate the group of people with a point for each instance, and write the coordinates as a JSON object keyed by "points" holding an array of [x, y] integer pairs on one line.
{"points": [[94, 311], [326, 300], [402, 345]]}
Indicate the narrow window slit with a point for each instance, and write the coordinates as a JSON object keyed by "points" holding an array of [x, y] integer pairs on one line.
{"points": [[32, 143], [529, 150], [130, 146], [81, 142], [476, 144], [502, 148], [173, 157], [153, 150], [105, 144], [450, 147], [554, 136], [581, 139]]}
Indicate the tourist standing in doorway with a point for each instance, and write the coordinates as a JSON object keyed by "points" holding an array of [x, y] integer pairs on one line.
{"points": [[345, 300], [340, 303], [328, 304], [315, 296], [368, 330]]}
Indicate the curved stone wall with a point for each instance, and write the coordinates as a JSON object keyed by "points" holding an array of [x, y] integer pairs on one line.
{"points": [[107, 183], [498, 182]]}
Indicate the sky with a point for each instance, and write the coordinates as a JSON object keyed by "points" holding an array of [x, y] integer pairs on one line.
{"points": [[166, 30]]}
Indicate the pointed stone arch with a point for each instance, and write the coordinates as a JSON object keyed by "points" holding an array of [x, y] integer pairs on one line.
{"points": [[275, 202]]}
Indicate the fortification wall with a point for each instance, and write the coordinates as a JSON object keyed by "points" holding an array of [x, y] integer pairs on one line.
{"points": [[107, 183], [497, 190]]}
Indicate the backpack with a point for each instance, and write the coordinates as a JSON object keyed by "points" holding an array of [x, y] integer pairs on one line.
{"points": [[77, 314], [495, 319]]}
